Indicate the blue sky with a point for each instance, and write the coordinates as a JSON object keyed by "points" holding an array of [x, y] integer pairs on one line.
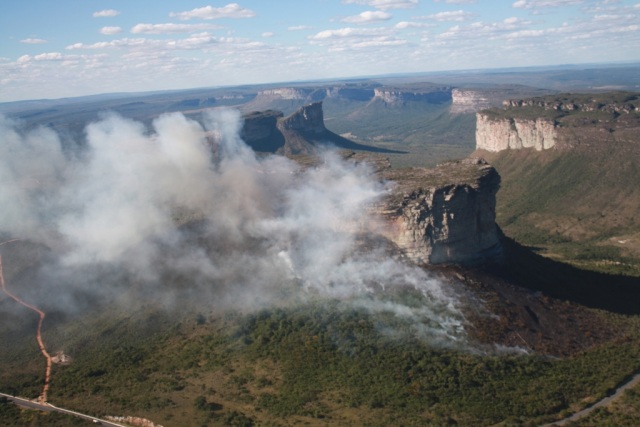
{"points": [[62, 48]]}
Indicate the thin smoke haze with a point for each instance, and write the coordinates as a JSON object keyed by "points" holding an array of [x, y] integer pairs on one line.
{"points": [[187, 212]]}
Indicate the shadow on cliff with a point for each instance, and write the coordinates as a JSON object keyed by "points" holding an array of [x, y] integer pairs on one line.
{"points": [[301, 142], [523, 267]]}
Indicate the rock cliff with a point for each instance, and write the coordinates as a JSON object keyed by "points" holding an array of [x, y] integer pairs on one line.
{"points": [[468, 101], [444, 215], [497, 134], [302, 132], [391, 96], [560, 121]]}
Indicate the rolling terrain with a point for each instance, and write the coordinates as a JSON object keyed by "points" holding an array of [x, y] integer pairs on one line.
{"points": [[216, 317]]}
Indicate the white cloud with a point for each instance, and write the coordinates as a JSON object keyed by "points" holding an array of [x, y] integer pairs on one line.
{"points": [[405, 24], [50, 56], [108, 31], [455, 16], [171, 28], [385, 4], [525, 33], [232, 10], [33, 41], [534, 4], [299, 28], [368, 17], [267, 34], [106, 13], [348, 32], [460, 1]]}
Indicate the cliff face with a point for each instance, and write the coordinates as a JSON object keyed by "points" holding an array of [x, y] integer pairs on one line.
{"points": [[398, 97], [446, 214], [259, 130], [468, 101], [513, 133], [562, 121], [309, 118]]}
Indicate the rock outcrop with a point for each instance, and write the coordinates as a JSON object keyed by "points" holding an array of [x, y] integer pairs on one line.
{"points": [[444, 215], [391, 96], [561, 121], [302, 132], [259, 130], [497, 134], [309, 118], [468, 101]]}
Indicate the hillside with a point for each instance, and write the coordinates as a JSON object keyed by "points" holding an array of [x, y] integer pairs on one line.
{"points": [[521, 343], [578, 203]]}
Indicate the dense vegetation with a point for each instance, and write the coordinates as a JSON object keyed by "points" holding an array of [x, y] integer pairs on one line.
{"points": [[323, 362]]}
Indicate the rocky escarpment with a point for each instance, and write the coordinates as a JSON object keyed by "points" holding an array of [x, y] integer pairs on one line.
{"points": [[301, 132], [398, 96], [446, 214], [497, 134], [259, 130], [561, 121], [468, 101]]}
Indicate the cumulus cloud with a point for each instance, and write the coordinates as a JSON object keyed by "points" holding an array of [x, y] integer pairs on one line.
{"points": [[385, 4], [348, 32], [232, 10], [171, 28], [186, 213], [49, 56], [299, 28], [534, 4], [402, 25], [33, 41], [455, 16], [106, 13], [368, 17], [108, 31]]}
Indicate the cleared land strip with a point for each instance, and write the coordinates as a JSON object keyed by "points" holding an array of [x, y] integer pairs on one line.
{"points": [[635, 380]]}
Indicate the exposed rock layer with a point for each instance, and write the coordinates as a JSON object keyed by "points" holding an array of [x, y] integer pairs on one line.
{"points": [[444, 215], [561, 121], [514, 133]]}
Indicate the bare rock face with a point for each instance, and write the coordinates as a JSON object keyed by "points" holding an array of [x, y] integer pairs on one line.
{"points": [[259, 130], [444, 215], [468, 101], [400, 96], [309, 118], [497, 134], [284, 93]]}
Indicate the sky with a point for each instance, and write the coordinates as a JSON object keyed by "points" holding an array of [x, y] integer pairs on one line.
{"points": [[66, 48]]}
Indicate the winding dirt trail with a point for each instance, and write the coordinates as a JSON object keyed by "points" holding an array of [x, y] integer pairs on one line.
{"points": [[47, 375], [635, 380]]}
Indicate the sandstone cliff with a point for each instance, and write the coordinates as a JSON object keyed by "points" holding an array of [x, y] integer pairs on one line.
{"points": [[301, 132], [497, 134], [560, 121], [468, 101], [446, 214], [392, 96]]}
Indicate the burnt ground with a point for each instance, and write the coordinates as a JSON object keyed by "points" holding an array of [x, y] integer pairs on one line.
{"points": [[542, 305]]}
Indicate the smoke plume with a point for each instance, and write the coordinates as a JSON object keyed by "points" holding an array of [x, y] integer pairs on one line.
{"points": [[186, 212]]}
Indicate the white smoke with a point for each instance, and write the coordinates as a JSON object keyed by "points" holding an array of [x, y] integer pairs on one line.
{"points": [[232, 229]]}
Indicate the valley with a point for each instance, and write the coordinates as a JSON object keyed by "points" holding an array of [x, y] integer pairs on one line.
{"points": [[409, 275]]}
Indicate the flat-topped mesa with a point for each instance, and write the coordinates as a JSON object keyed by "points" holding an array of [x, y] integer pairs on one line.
{"points": [[284, 93], [497, 134], [309, 118], [444, 215], [468, 101], [395, 96], [560, 121]]}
